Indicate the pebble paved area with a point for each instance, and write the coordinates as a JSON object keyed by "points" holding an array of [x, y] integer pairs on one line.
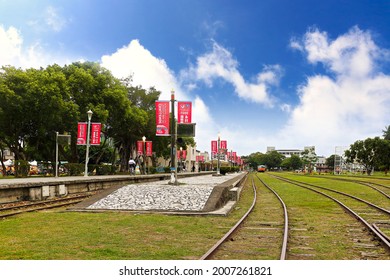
{"points": [[191, 195]]}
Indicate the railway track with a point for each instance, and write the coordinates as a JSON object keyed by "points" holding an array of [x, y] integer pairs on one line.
{"points": [[382, 188], [262, 231], [374, 218], [12, 209]]}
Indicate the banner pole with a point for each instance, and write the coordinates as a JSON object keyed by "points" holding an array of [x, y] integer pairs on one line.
{"points": [[56, 154]]}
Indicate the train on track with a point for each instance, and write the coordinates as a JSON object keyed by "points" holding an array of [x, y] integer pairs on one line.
{"points": [[261, 168]]}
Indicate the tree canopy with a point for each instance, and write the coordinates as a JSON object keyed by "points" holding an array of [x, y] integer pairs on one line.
{"points": [[37, 103], [371, 153]]}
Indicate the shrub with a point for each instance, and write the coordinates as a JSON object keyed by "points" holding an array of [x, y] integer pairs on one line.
{"points": [[22, 168], [74, 169]]}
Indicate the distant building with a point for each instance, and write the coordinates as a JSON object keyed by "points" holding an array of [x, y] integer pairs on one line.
{"points": [[7, 154], [289, 152]]}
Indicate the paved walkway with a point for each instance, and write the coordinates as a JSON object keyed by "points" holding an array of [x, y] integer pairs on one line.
{"points": [[191, 195]]}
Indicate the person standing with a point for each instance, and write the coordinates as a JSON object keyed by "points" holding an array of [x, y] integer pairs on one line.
{"points": [[132, 166]]}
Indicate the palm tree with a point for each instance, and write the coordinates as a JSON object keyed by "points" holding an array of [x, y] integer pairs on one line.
{"points": [[386, 132]]}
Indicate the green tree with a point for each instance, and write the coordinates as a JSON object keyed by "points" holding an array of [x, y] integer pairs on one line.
{"points": [[370, 153], [386, 132], [254, 159], [272, 159], [292, 163], [309, 158], [35, 104], [330, 161]]}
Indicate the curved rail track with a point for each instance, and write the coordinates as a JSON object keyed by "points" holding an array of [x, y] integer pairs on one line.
{"points": [[12, 209], [251, 239], [370, 211], [285, 233], [372, 184]]}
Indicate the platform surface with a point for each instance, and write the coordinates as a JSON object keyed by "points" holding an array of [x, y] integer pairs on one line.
{"points": [[191, 194]]}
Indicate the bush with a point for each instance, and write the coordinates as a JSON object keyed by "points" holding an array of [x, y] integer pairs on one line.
{"points": [[22, 168], [228, 169], [104, 169], [152, 170], [74, 169]]}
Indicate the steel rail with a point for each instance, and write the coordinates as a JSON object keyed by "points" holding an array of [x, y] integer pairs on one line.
{"points": [[375, 188], [342, 193], [355, 180], [285, 232], [382, 233], [45, 202], [376, 232], [46, 205], [212, 250]]}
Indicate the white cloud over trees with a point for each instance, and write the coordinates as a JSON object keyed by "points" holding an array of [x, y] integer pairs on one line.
{"points": [[351, 101]]}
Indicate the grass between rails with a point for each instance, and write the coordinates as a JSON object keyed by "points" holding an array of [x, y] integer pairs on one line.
{"points": [[319, 228]]}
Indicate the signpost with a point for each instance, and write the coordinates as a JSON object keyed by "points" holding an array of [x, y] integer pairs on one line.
{"points": [[61, 139], [166, 126]]}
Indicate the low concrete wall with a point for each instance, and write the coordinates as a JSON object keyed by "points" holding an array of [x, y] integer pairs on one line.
{"points": [[34, 189], [221, 194]]}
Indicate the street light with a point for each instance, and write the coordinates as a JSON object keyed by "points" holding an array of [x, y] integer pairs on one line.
{"points": [[181, 158], [144, 140], [89, 113], [218, 147]]}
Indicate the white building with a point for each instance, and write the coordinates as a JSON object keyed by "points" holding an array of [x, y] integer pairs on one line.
{"points": [[289, 152]]}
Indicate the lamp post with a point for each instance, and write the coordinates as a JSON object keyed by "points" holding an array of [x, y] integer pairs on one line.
{"points": [[173, 180], [231, 157], [218, 147], [56, 173], [144, 140], [89, 113], [181, 158]]}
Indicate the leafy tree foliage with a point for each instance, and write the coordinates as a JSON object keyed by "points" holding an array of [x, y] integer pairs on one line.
{"points": [[386, 132], [271, 160], [37, 103], [292, 163], [371, 153], [309, 158], [330, 161]]}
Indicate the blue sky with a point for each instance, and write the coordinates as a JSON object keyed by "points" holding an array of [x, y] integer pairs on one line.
{"points": [[264, 73]]}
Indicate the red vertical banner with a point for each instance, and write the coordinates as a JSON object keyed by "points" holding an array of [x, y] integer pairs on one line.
{"points": [[96, 129], [234, 156], [223, 144], [162, 118], [140, 148], [197, 158], [184, 154], [214, 148], [81, 133], [184, 111], [149, 149]]}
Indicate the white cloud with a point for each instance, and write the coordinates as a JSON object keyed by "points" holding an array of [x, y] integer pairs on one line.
{"points": [[54, 20], [147, 70], [352, 104], [14, 51], [220, 64], [10, 45]]}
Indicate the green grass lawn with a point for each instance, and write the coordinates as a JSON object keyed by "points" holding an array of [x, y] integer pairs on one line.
{"points": [[62, 235]]}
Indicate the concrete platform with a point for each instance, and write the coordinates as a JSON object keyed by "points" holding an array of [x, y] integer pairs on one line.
{"points": [[42, 188], [201, 195]]}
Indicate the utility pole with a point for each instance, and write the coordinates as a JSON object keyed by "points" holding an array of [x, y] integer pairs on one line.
{"points": [[173, 141]]}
